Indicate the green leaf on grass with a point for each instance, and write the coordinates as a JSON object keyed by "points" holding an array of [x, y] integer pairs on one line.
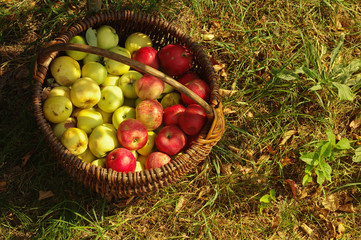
{"points": [[331, 137], [326, 169], [354, 66], [343, 144], [320, 177], [308, 157], [288, 75], [336, 51], [316, 87], [357, 156], [344, 91], [312, 74], [306, 179]]}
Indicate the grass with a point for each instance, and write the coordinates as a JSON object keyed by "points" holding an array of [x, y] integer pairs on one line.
{"points": [[269, 122]]}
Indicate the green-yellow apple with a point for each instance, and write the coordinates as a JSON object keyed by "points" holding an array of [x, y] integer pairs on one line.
{"points": [[107, 37], [65, 70], [121, 114], [127, 83], [57, 109], [110, 80], [88, 119], [95, 71], [114, 67], [148, 147], [91, 58], [139, 167], [137, 101], [150, 113], [100, 162], [75, 140], [59, 91], [168, 88], [77, 55], [137, 40], [111, 99], [103, 139], [107, 117], [59, 128], [149, 87], [91, 37], [85, 93], [171, 99], [87, 156]]}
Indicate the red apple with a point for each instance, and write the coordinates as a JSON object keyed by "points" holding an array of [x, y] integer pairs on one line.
{"points": [[148, 56], [121, 160], [175, 59], [156, 160], [192, 119], [132, 134], [171, 114], [149, 87], [199, 87], [150, 113], [187, 77], [170, 140]]}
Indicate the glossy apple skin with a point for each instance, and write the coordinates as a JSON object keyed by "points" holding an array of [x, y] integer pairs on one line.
{"points": [[149, 87], [121, 160], [170, 140], [199, 87], [148, 56], [175, 59], [156, 160], [192, 119], [171, 114], [187, 77], [150, 113], [132, 134]]}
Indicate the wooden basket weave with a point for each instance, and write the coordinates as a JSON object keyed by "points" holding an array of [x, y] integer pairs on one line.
{"points": [[106, 181]]}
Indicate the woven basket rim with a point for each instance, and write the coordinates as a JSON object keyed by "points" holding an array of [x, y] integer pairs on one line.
{"points": [[148, 180]]}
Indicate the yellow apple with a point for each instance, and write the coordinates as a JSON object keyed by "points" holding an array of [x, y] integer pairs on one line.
{"points": [[110, 80], [107, 117], [75, 140], [107, 37], [65, 70], [59, 91], [103, 139], [57, 109], [127, 83], [148, 147], [99, 162], [171, 99], [91, 58], [111, 98], [85, 93], [87, 156], [59, 128], [88, 119], [142, 159], [77, 55], [137, 40], [122, 113], [95, 71], [139, 167], [114, 67]]}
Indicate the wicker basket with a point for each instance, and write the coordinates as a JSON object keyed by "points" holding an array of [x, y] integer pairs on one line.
{"points": [[106, 181]]}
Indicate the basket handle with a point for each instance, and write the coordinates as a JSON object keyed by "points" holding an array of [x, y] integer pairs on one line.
{"points": [[134, 64]]}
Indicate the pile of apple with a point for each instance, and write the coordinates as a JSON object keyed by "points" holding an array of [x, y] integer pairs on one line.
{"points": [[112, 116]]}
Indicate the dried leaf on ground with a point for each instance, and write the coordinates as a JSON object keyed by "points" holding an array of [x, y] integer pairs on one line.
{"points": [[356, 122], [347, 208], [331, 202], [3, 186], [180, 204], [287, 135], [226, 92], [306, 228], [45, 195], [226, 169], [227, 111], [292, 184], [26, 158]]}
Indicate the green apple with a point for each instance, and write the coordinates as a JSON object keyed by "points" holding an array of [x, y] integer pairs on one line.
{"points": [[99, 162], [122, 113], [65, 70], [85, 93], [127, 83], [91, 58], [91, 37], [171, 99], [87, 156], [75, 140], [95, 71], [59, 91], [111, 98], [88, 119], [167, 88], [107, 37], [107, 117], [114, 67], [137, 40], [77, 55], [103, 139], [57, 109], [148, 147], [110, 80], [59, 128]]}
